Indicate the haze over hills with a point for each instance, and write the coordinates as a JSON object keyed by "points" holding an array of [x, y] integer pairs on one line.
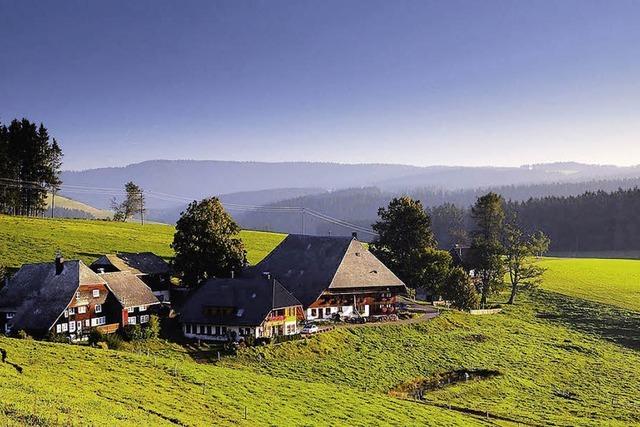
{"points": [[194, 179]]}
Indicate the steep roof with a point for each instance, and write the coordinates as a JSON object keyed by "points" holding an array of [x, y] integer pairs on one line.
{"points": [[129, 290], [310, 265], [249, 300], [38, 295], [136, 263]]}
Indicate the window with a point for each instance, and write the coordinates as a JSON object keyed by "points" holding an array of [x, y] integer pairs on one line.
{"points": [[142, 308], [102, 320], [98, 308], [72, 326], [313, 312], [131, 309], [87, 323], [188, 329], [82, 309], [144, 318], [66, 313], [78, 295], [327, 311], [224, 330], [58, 328], [10, 315], [133, 320], [64, 327], [72, 311], [96, 293]]}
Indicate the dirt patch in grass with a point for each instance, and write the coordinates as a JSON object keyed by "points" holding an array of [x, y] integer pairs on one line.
{"points": [[418, 387]]}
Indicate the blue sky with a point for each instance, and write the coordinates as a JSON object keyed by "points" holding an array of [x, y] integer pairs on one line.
{"points": [[418, 82]]}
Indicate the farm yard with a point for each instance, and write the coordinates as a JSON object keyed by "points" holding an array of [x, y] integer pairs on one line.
{"points": [[566, 354]]}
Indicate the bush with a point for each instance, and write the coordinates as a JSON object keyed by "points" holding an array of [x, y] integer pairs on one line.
{"points": [[459, 290], [152, 330], [132, 333], [21, 334], [113, 341], [95, 337], [52, 337]]}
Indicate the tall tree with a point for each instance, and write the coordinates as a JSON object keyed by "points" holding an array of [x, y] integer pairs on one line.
{"points": [[459, 290], [29, 167], [519, 255], [486, 246], [404, 232], [206, 243]]}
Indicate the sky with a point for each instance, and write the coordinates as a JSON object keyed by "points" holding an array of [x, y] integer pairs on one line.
{"points": [[416, 82]]}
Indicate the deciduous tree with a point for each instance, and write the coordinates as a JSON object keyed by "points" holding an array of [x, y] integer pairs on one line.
{"points": [[459, 290], [206, 243], [486, 246]]}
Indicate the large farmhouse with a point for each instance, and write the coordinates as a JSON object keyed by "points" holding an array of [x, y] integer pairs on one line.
{"points": [[149, 267], [137, 301], [235, 309], [332, 276], [58, 297]]}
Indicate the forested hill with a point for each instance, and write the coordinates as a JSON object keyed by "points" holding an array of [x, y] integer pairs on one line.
{"points": [[360, 206], [193, 179]]}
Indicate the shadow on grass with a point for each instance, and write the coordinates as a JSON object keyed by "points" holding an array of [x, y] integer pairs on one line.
{"points": [[614, 324]]}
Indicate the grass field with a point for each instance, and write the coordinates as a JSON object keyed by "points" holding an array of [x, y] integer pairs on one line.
{"points": [[552, 371], [609, 281], [568, 354], [27, 240]]}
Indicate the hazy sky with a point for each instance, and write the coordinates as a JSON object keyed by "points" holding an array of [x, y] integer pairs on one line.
{"points": [[419, 82]]}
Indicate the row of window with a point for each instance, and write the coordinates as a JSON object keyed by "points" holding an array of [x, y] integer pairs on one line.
{"points": [[77, 326], [213, 330], [318, 311], [143, 319], [81, 310], [95, 293], [133, 309]]}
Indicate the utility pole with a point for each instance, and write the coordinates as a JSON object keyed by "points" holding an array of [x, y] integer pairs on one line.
{"points": [[141, 208], [53, 201], [302, 220]]}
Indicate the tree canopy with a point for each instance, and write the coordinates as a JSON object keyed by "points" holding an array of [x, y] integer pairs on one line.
{"points": [[30, 164], [404, 232], [206, 243]]}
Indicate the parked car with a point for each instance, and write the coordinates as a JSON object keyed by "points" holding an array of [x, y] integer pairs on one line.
{"points": [[310, 329]]}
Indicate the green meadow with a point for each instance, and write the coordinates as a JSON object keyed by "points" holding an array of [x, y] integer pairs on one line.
{"points": [[609, 281], [566, 354], [26, 240]]}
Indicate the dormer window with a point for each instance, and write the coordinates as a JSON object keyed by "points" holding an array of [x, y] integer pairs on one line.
{"points": [[96, 293]]}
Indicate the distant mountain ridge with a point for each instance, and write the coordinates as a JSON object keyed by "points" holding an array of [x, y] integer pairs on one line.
{"points": [[195, 179]]}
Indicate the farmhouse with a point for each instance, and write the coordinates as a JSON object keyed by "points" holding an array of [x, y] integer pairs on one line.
{"points": [[332, 276], [235, 309], [149, 267], [137, 301], [58, 297]]}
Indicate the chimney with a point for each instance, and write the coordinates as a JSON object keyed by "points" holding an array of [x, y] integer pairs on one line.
{"points": [[355, 235], [59, 263]]}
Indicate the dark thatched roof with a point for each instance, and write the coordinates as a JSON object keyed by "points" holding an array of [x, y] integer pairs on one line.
{"points": [[310, 265], [136, 263], [129, 290], [249, 301], [38, 295]]}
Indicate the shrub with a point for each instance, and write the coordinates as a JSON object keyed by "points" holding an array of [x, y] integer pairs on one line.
{"points": [[459, 290], [152, 330], [113, 341], [132, 333], [95, 337], [21, 334], [52, 337]]}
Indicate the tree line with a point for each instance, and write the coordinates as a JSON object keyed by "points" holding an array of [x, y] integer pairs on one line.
{"points": [[30, 162], [499, 247]]}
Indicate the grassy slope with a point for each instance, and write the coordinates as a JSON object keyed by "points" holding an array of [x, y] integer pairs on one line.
{"points": [[537, 358], [36, 239], [64, 202], [610, 281], [101, 387]]}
